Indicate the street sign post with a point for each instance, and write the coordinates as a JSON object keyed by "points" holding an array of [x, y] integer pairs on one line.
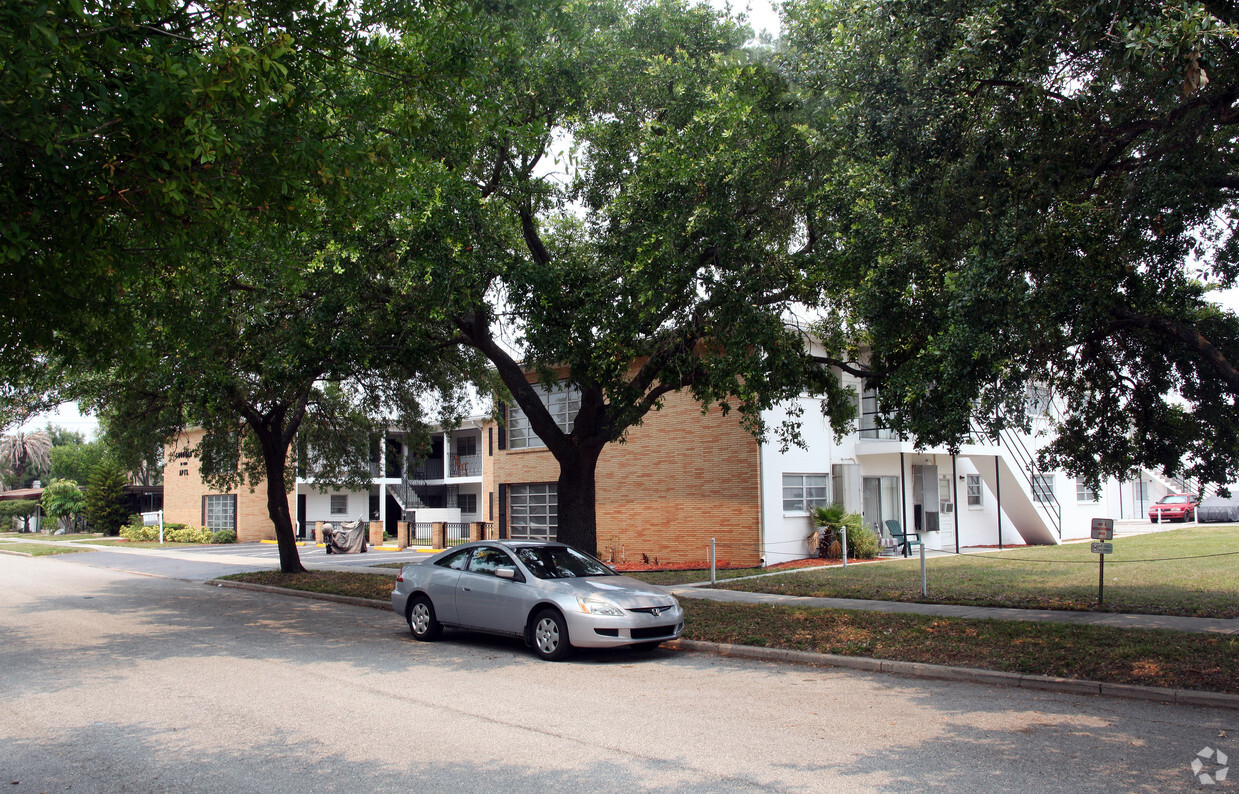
{"points": [[1103, 530]]}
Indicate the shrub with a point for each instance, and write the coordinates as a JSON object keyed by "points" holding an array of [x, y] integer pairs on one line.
{"points": [[179, 533], [862, 543], [137, 533], [224, 536]]}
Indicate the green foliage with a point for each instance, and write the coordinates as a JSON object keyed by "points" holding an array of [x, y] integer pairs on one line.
{"points": [[11, 509], [224, 536], [63, 500], [133, 130], [832, 519], [678, 261], [1031, 191], [173, 533], [23, 455], [76, 461], [106, 503], [179, 533], [136, 532]]}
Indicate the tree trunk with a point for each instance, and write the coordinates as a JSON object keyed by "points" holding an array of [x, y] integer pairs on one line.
{"points": [[577, 517], [275, 457]]}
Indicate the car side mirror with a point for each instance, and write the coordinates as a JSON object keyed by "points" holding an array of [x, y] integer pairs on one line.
{"points": [[505, 573]]}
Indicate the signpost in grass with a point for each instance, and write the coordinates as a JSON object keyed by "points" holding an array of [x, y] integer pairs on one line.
{"points": [[1103, 530]]}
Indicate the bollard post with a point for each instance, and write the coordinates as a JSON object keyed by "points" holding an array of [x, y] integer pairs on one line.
{"points": [[713, 561], [924, 582], [843, 535]]}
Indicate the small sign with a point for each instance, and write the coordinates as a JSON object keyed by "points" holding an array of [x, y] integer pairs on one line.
{"points": [[1103, 529], [1102, 548]]}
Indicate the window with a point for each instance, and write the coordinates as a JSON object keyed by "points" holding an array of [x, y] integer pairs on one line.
{"points": [[219, 512], [457, 561], [803, 492], [974, 490], [1038, 399], [563, 403], [1042, 487], [488, 560], [532, 512], [871, 416], [945, 503], [467, 503], [1083, 492], [339, 504], [466, 446]]}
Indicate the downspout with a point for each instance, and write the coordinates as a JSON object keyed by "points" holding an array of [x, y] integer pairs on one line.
{"points": [[761, 503], [903, 495], [955, 500], [998, 496]]}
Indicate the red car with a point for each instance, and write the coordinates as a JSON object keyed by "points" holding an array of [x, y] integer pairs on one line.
{"points": [[1174, 507]]}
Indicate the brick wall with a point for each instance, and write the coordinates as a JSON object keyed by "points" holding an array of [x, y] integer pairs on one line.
{"points": [[679, 479], [183, 491]]}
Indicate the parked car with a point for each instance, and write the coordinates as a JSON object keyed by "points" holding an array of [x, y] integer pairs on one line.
{"points": [[553, 596], [1219, 508], [1173, 507]]}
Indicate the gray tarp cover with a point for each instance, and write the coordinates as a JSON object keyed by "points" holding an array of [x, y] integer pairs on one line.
{"points": [[346, 538]]}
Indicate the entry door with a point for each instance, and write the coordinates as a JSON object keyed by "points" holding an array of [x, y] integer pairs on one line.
{"points": [[871, 497]]}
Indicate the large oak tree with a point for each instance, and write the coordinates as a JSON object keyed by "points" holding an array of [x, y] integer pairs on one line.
{"points": [[1029, 191]]}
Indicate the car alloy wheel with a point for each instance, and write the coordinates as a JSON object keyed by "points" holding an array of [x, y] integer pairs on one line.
{"points": [[422, 622], [550, 636]]}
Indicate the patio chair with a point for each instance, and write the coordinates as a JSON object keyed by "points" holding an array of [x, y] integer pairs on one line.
{"points": [[906, 539]]}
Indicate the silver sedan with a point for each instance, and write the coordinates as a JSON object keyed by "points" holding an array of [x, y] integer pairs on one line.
{"points": [[551, 595]]}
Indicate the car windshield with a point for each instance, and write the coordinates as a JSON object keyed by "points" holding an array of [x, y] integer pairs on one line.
{"points": [[560, 562], [1175, 500]]}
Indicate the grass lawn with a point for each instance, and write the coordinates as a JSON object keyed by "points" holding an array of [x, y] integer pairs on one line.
{"points": [[1177, 660], [43, 536], [1132, 656], [359, 585], [39, 549], [1192, 572]]}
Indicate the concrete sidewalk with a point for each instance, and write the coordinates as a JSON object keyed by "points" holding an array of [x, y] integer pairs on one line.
{"points": [[1115, 619]]}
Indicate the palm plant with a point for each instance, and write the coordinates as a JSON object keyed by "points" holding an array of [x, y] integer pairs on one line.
{"points": [[22, 450]]}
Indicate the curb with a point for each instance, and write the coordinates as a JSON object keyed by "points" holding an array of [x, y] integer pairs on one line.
{"points": [[356, 601], [945, 673], [16, 553], [1075, 686]]}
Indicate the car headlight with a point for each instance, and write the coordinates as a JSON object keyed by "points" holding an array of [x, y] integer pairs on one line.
{"points": [[597, 606]]}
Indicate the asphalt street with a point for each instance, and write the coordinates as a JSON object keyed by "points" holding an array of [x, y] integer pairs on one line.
{"points": [[204, 563], [112, 681]]}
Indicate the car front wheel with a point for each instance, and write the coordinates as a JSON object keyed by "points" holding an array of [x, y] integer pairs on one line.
{"points": [[422, 622], [550, 636]]}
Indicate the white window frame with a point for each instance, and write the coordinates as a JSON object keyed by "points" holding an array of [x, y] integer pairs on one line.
{"points": [[1084, 493], [339, 504], [563, 403], [975, 493], [800, 495], [470, 503], [533, 511], [1042, 486]]}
